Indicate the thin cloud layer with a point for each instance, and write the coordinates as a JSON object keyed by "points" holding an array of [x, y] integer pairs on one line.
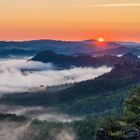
{"points": [[112, 5], [119, 5]]}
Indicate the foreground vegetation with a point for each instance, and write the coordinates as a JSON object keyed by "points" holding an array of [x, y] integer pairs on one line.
{"points": [[26, 129], [126, 127]]}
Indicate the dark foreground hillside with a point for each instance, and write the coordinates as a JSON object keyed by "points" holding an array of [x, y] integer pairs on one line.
{"points": [[127, 127]]}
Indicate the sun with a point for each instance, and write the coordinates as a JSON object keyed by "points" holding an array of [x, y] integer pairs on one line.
{"points": [[101, 39]]}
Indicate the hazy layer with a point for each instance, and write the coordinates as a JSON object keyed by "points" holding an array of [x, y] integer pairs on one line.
{"points": [[12, 79]]}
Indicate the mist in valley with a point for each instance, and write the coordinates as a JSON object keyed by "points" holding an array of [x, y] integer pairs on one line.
{"points": [[22, 75], [26, 131]]}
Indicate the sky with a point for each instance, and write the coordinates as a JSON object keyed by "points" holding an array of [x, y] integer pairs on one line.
{"points": [[70, 19]]}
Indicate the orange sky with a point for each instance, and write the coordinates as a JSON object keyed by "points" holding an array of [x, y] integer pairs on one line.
{"points": [[70, 19]]}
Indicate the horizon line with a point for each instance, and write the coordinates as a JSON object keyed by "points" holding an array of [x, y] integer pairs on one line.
{"points": [[51, 39]]}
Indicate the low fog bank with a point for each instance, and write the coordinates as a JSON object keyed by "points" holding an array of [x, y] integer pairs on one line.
{"points": [[13, 79], [25, 131], [38, 112], [12, 130], [65, 135]]}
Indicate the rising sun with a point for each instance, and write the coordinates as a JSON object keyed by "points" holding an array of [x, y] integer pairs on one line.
{"points": [[101, 39]]}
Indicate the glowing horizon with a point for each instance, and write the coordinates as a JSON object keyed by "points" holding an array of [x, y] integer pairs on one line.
{"points": [[70, 20]]}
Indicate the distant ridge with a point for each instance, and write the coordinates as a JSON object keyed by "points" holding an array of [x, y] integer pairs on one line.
{"points": [[88, 47], [62, 60]]}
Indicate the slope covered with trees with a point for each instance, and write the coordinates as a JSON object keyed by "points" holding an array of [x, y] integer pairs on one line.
{"points": [[104, 94], [66, 61], [127, 127]]}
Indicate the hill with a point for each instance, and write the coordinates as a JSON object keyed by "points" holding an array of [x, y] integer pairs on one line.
{"points": [[104, 94], [81, 60], [120, 50], [89, 47], [62, 60]]}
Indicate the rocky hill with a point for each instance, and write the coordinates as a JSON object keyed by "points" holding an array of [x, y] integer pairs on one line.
{"points": [[62, 60]]}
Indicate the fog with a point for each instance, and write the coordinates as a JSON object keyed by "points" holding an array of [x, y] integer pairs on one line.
{"points": [[65, 135], [38, 112], [13, 79], [24, 131], [12, 130], [22, 75]]}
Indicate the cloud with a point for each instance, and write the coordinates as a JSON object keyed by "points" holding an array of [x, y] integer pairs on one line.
{"points": [[112, 5], [12, 79], [119, 5]]}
